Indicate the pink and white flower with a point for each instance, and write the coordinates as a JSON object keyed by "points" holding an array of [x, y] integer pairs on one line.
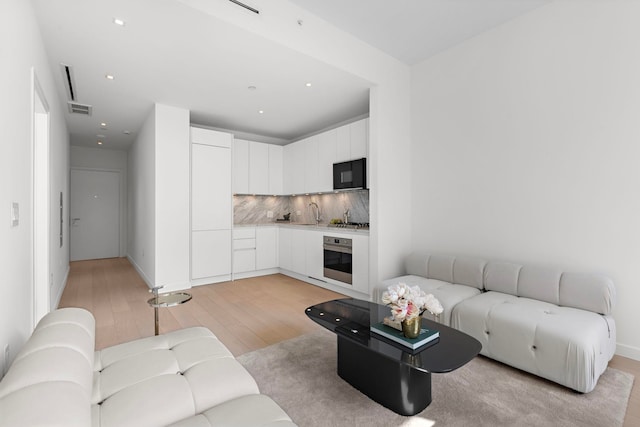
{"points": [[409, 302]]}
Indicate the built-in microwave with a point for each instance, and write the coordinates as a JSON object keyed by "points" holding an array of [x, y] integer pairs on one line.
{"points": [[351, 174]]}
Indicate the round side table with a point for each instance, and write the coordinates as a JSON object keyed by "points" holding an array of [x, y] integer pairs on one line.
{"points": [[168, 299]]}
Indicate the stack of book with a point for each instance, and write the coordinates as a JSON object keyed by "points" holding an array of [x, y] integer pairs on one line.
{"points": [[425, 336]]}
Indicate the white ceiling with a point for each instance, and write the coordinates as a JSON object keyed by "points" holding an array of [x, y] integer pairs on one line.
{"points": [[173, 54], [413, 30]]}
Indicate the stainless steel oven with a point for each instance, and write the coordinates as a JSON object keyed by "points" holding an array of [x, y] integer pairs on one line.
{"points": [[337, 259]]}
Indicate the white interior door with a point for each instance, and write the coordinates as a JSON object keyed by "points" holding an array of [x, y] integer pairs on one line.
{"points": [[94, 214]]}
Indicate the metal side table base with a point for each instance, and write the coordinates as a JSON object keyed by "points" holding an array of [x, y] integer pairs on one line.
{"points": [[168, 299]]}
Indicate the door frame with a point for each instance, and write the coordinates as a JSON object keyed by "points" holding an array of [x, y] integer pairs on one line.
{"points": [[41, 194], [122, 210]]}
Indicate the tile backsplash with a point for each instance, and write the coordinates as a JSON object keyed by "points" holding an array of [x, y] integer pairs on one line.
{"points": [[255, 209]]}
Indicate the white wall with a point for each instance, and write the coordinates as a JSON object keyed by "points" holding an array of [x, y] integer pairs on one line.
{"points": [[389, 150], [141, 201], [159, 199], [21, 47], [173, 206], [111, 160], [525, 147]]}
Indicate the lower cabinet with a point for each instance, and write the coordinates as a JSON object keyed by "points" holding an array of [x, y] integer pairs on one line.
{"points": [[266, 248], [301, 251], [360, 263], [314, 255], [244, 249], [284, 248], [298, 251], [255, 249], [210, 253]]}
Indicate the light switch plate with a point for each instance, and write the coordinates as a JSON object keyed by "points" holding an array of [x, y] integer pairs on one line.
{"points": [[15, 214]]}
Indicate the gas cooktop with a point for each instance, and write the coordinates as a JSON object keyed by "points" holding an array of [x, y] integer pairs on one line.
{"points": [[352, 225]]}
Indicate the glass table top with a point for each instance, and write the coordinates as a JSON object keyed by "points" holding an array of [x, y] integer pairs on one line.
{"points": [[169, 299], [351, 318]]}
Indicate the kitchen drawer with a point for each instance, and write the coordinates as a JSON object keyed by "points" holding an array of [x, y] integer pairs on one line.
{"points": [[244, 233], [244, 260], [244, 244]]}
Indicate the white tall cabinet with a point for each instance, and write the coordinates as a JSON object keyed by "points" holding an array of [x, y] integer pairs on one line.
{"points": [[211, 204]]}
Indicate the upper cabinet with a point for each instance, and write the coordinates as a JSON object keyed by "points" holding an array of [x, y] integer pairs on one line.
{"points": [[308, 163], [359, 139], [294, 165], [211, 137], [240, 166], [275, 169], [257, 168]]}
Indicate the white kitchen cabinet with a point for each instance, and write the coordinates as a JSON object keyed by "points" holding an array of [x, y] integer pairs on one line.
{"points": [[211, 137], [211, 198], [360, 260], [327, 144], [275, 169], [244, 260], [343, 146], [311, 165], [210, 253], [266, 248], [240, 166], [258, 168], [314, 255], [211, 203], [294, 165], [284, 248], [352, 141], [359, 143], [244, 249], [298, 251]]}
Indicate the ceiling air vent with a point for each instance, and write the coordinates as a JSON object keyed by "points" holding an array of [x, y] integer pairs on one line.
{"points": [[78, 108], [246, 6], [69, 82]]}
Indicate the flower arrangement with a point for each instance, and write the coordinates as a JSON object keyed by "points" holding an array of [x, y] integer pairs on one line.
{"points": [[409, 302]]}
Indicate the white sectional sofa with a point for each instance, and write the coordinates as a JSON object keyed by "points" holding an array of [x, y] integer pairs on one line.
{"points": [[184, 378], [550, 323]]}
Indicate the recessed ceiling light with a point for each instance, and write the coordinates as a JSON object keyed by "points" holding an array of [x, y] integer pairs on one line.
{"points": [[127, 132], [99, 142], [261, 111], [118, 21], [308, 84], [109, 76], [103, 124]]}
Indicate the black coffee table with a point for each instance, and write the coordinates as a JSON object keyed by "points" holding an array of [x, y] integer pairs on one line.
{"points": [[393, 375]]}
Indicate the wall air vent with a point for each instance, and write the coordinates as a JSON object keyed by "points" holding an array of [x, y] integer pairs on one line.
{"points": [[69, 82], [246, 6], [78, 108]]}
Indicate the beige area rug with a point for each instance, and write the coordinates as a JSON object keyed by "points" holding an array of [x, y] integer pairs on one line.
{"points": [[300, 375]]}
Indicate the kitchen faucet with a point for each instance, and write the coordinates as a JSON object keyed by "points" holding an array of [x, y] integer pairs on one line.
{"points": [[317, 211]]}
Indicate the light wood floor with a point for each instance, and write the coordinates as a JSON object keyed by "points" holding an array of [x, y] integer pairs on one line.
{"points": [[245, 315]]}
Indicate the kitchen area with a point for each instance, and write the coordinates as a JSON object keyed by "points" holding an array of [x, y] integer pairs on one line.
{"points": [[300, 209]]}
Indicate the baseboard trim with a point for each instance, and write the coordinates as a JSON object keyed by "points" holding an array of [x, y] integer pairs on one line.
{"points": [[62, 288], [628, 351], [140, 272], [211, 280], [255, 273], [327, 285]]}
